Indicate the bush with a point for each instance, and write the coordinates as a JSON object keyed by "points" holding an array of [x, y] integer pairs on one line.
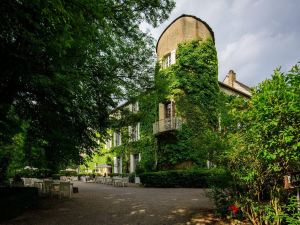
{"points": [[55, 176], [196, 178], [15, 200], [68, 173], [38, 173], [118, 174]]}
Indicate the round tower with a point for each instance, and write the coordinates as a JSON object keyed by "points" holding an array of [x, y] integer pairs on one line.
{"points": [[184, 28]]}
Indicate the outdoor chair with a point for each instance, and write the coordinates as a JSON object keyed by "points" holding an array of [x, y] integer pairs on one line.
{"points": [[39, 185], [47, 186], [108, 180], [55, 189], [98, 179], [65, 189], [117, 181], [125, 181], [27, 182]]}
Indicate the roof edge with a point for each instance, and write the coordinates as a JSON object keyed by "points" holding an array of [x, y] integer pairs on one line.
{"points": [[234, 89], [186, 15]]}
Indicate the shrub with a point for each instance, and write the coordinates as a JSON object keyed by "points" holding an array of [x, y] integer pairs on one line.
{"points": [[15, 200], [196, 178], [56, 176], [37, 173], [114, 174], [68, 173]]}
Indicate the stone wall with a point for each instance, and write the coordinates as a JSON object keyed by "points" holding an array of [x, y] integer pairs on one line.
{"points": [[185, 28]]}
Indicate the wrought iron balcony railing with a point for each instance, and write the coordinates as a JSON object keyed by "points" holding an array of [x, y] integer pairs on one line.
{"points": [[172, 123]]}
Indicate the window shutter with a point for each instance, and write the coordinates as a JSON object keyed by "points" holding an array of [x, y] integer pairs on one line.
{"points": [[137, 106], [130, 133], [115, 139], [138, 131]]}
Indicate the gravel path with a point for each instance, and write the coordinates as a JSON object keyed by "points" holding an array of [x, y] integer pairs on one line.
{"points": [[107, 205]]}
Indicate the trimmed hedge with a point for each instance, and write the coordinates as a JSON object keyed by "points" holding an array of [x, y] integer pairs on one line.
{"points": [[38, 173], [197, 178], [68, 173]]}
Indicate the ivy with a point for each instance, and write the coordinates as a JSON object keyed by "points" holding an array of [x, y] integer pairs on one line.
{"points": [[193, 83]]}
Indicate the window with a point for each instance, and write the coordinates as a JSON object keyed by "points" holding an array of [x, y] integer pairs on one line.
{"points": [[169, 109], [117, 138], [135, 107], [169, 59], [108, 143], [136, 159], [134, 132]]}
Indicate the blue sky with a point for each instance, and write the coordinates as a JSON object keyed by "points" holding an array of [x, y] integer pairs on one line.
{"points": [[253, 37]]}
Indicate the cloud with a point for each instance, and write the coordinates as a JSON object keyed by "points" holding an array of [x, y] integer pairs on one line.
{"points": [[253, 37]]}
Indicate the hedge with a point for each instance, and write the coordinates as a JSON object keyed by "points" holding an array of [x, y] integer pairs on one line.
{"points": [[197, 178], [38, 173]]}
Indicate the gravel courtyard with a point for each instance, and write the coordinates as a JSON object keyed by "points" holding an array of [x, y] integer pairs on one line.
{"points": [[107, 205]]}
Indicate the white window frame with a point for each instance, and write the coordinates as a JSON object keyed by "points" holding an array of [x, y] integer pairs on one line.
{"points": [[134, 132], [135, 107], [169, 59], [117, 138], [108, 143]]}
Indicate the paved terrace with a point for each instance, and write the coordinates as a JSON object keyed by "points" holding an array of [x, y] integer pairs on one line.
{"points": [[108, 205]]}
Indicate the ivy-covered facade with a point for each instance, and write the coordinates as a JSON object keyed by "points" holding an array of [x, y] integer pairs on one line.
{"points": [[172, 126]]}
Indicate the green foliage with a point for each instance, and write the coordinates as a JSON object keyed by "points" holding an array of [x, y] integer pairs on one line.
{"points": [[200, 178], [15, 200], [146, 146], [266, 145], [68, 173], [291, 213], [75, 59], [37, 173], [193, 83]]}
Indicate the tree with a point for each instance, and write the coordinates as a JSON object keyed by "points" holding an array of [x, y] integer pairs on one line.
{"points": [[266, 145], [66, 63]]}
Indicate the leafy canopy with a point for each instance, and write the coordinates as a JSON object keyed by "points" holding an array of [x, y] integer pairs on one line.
{"points": [[65, 64], [266, 146]]}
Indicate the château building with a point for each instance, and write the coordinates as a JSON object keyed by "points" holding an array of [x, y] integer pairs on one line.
{"points": [[130, 144]]}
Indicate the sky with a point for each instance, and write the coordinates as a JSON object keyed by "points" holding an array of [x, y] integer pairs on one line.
{"points": [[253, 37]]}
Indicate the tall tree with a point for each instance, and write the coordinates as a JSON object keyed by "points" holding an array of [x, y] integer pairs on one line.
{"points": [[64, 65], [265, 147]]}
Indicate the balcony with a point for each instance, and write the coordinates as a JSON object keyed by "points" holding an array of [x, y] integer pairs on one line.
{"points": [[172, 123]]}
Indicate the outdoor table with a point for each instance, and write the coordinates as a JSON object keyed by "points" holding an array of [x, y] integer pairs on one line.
{"points": [[40, 185], [108, 180], [117, 180]]}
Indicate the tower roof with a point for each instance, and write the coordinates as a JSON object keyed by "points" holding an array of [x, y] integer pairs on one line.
{"points": [[184, 15]]}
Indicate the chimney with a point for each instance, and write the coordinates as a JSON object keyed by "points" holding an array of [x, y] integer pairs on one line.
{"points": [[231, 77]]}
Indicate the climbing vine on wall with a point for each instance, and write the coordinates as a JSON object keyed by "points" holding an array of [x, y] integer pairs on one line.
{"points": [[193, 83]]}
